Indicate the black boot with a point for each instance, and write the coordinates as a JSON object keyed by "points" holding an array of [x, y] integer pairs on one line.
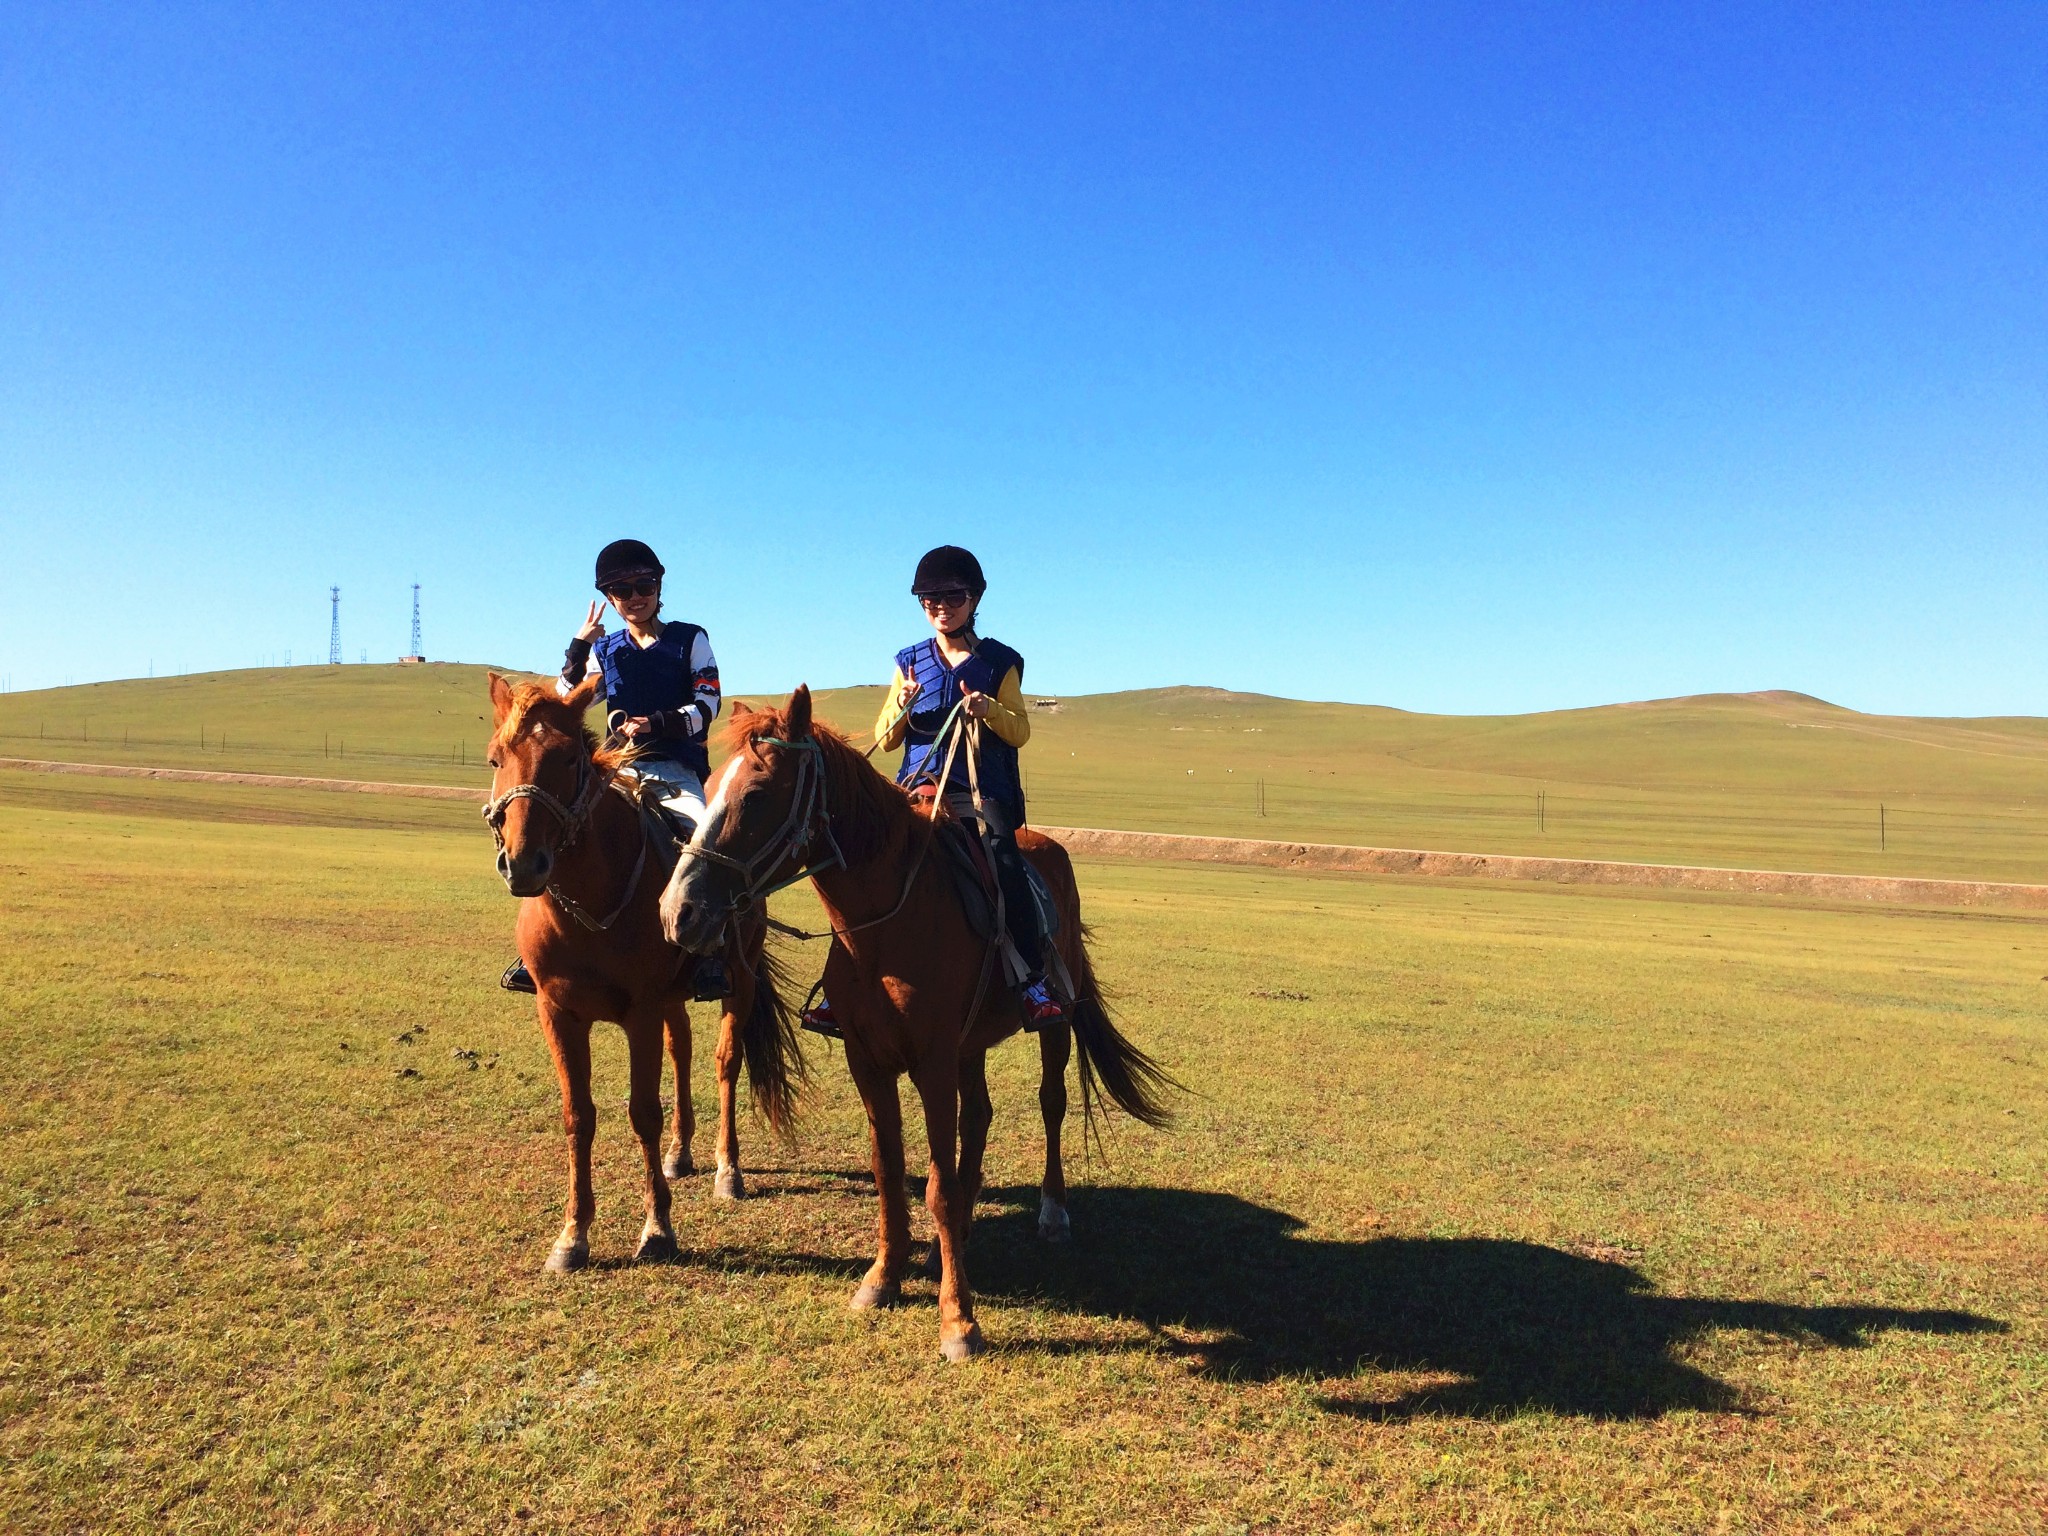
{"points": [[518, 979], [709, 983]]}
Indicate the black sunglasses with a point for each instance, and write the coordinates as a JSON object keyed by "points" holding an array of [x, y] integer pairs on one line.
{"points": [[952, 597], [625, 589]]}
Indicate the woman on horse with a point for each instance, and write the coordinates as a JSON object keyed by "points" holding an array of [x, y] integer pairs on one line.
{"points": [[984, 679], [661, 695]]}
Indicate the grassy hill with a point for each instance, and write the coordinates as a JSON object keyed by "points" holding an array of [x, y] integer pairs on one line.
{"points": [[1769, 780]]}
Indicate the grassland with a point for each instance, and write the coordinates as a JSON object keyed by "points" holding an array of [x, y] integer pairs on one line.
{"points": [[1773, 781], [1497, 1208]]}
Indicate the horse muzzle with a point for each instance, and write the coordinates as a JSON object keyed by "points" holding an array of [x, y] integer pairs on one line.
{"points": [[692, 914], [526, 875]]}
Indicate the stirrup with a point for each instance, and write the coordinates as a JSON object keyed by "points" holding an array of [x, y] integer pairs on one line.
{"points": [[518, 978], [1040, 1006], [708, 983], [817, 1015]]}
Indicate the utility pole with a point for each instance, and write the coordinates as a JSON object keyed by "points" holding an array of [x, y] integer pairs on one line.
{"points": [[334, 628]]}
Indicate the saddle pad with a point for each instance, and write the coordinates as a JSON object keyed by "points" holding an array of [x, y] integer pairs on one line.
{"points": [[974, 879]]}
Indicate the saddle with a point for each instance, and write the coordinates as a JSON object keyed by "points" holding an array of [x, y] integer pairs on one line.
{"points": [[664, 829], [974, 882]]}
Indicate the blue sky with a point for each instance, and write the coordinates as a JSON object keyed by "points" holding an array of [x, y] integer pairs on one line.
{"points": [[1463, 358]]}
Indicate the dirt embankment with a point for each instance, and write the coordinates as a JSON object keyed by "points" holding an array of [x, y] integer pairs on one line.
{"points": [[257, 780], [1340, 857]]}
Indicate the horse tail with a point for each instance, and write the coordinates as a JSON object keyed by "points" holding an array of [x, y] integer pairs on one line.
{"points": [[1110, 1065], [771, 1044]]}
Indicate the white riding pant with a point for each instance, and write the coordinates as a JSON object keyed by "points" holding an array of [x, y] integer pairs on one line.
{"points": [[682, 792]]}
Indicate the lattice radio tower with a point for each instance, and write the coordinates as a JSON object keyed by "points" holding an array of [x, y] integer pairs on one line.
{"points": [[416, 620], [334, 628]]}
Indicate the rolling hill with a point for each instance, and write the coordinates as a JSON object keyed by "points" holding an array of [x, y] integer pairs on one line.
{"points": [[1771, 780]]}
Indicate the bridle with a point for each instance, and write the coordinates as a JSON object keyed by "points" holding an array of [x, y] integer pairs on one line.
{"points": [[574, 817], [809, 818]]}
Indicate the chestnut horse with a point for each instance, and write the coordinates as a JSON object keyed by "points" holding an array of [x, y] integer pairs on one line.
{"points": [[904, 973], [589, 931]]}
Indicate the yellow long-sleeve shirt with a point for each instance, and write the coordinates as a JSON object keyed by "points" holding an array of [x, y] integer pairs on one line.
{"points": [[1007, 716]]}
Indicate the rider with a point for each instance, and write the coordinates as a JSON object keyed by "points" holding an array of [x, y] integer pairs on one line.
{"points": [[985, 679], [661, 695]]}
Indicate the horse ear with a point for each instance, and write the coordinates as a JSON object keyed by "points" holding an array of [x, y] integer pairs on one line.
{"points": [[741, 707], [799, 712], [501, 699], [584, 693]]}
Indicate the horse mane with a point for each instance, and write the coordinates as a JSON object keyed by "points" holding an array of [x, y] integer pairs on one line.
{"points": [[867, 809], [539, 701]]}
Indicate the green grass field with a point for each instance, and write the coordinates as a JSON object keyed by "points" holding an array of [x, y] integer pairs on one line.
{"points": [[1514, 1208], [1773, 781]]}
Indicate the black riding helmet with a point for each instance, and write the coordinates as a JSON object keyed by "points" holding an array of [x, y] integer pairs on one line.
{"points": [[947, 568], [623, 560]]}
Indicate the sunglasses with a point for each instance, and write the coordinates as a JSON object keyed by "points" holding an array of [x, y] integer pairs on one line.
{"points": [[952, 597], [626, 589]]}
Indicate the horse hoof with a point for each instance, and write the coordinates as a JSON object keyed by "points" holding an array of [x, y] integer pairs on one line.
{"points": [[677, 1165], [655, 1248], [962, 1346], [728, 1185], [1053, 1225], [874, 1296], [567, 1258]]}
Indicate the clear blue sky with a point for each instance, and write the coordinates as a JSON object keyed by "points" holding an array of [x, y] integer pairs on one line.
{"points": [[1463, 358]]}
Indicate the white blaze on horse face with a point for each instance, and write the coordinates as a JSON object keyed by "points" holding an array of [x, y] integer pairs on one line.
{"points": [[714, 813], [691, 870]]}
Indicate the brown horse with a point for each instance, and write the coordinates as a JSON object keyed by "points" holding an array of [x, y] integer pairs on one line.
{"points": [[589, 931], [904, 973]]}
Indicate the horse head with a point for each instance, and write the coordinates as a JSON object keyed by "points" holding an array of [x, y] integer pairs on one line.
{"points": [[764, 802], [542, 777]]}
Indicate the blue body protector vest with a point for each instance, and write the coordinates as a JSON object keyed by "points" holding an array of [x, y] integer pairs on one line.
{"points": [[939, 688], [653, 680]]}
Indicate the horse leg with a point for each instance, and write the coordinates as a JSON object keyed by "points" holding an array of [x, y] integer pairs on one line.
{"points": [[676, 1026], [976, 1111], [883, 1284], [569, 1043], [938, 1085], [643, 1108], [727, 1184], [1054, 1043]]}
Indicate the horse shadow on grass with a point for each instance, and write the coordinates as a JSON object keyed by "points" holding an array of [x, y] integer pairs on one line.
{"points": [[1494, 1326]]}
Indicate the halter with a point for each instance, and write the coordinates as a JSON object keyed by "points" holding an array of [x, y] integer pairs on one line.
{"points": [[574, 817], [808, 817]]}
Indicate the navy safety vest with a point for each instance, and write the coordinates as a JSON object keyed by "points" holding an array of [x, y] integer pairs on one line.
{"points": [[647, 682], [939, 689]]}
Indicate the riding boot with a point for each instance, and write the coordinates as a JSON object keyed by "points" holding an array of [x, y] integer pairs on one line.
{"points": [[1021, 918], [517, 978]]}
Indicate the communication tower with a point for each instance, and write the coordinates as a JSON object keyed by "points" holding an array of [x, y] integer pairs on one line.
{"points": [[334, 628], [415, 656]]}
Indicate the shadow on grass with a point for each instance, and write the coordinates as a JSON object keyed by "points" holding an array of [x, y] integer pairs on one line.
{"points": [[1510, 1325], [1490, 1326]]}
